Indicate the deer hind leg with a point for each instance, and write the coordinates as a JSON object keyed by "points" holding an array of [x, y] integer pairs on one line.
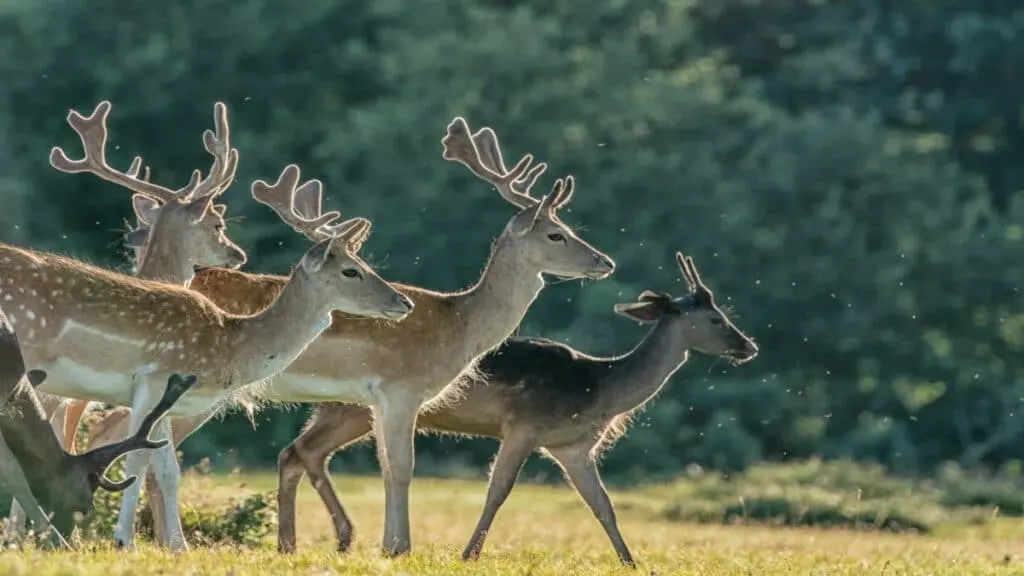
{"points": [[334, 427], [395, 429], [144, 398], [181, 428], [167, 476], [512, 454], [581, 470]]}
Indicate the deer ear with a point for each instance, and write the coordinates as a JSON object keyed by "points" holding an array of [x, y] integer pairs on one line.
{"points": [[145, 209], [219, 209], [525, 221], [197, 208], [137, 238], [36, 377], [643, 312], [315, 258]]}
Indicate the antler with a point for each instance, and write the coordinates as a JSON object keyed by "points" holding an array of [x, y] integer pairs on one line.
{"points": [[92, 131], [481, 153], [101, 458], [299, 207], [690, 273], [225, 158]]}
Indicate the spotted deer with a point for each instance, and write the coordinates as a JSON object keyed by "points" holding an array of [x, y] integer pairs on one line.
{"points": [[395, 370], [184, 228], [109, 337], [57, 488], [539, 394]]}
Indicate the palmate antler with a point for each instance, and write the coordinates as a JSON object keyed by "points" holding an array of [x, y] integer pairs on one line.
{"points": [[481, 153], [92, 131], [100, 459], [299, 207]]}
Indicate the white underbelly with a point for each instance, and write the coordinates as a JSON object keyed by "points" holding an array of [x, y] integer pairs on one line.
{"points": [[291, 387], [70, 379], [65, 377]]}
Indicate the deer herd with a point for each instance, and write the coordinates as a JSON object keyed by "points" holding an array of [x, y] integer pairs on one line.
{"points": [[189, 335]]}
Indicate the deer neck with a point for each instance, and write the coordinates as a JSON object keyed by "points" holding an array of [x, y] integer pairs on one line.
{"points": [[164, 262], [28, 434], [636, 377], [266, 343], [492, 309]]}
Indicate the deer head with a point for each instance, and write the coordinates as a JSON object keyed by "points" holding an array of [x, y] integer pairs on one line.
{"points": [[699, 321], [71, 498], [64, 484], [544, 242], [332, 266], [185, 222]]}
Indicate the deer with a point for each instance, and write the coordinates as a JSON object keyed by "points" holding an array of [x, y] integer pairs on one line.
{"points": [[536, 394], [109, 337], [55, 487], [186, 227], [396, 371]]}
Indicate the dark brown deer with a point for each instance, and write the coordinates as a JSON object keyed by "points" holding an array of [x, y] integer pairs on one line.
{"points": [[540, 394], [54, 487]]}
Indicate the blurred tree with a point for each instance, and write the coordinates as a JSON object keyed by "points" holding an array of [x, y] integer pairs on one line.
{"points": [[863, 240]]}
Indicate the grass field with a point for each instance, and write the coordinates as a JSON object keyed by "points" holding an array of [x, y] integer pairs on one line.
{"points": [[546, 530]]}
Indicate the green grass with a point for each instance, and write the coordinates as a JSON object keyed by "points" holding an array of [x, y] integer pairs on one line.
{"points": [[684, 527]]}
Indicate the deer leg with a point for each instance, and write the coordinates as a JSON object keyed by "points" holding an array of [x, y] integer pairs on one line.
{"points": [[181, 428], [581, 471], [144, 398], [395, 428], [73, 412], [167, 476], [155, 497], [334, 427], [512, 454]]}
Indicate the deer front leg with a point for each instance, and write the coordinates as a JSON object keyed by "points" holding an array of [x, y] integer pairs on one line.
{"points": [[581, 471], [334, 427], [72, 412], [167, 475], [144, 398], [395, 428], [512, 454], [181, 428]]}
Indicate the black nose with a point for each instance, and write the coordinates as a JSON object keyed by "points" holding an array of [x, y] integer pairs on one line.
{"points": [[606, 262], [404, 301], [750, 349]]}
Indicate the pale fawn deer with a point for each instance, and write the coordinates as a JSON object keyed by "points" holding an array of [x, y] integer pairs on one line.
{"points": [[395, 371], [109, 337], [185, 230], [539, 394], [56, 488]]}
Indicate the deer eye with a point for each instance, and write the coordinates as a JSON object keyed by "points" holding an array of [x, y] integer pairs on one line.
{"points": [[218, 228], [351, 273], [556, 237]]}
